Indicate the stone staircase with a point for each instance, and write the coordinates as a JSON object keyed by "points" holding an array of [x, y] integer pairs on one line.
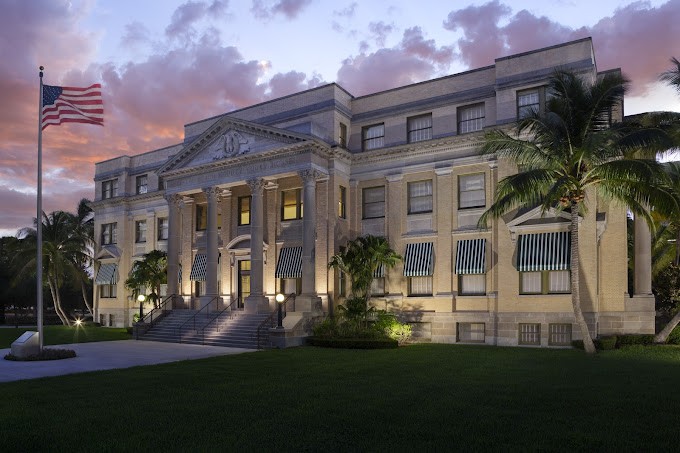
{"points": [[234, 329]]}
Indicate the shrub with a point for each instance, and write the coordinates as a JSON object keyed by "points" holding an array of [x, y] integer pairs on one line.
{"points": [[674, 336], [629, 340], [606, 343], [47, 354], [353, 343], [389, 325]]}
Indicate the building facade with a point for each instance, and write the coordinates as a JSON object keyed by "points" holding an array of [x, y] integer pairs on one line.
{"points": [[256, 201]]}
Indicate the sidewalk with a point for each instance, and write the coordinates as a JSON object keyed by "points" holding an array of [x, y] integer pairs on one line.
{"points": [[107, 355]]}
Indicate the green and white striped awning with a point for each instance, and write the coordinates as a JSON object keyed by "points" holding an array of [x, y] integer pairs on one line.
{"points": [[289, 264], [419, 259], [471, 256], [544, 251], [379, 271], [199, 269], [107, 274]]}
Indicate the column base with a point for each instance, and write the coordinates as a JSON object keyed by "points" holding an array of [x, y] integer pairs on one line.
{"points": [[256, 304], [310, 303]]}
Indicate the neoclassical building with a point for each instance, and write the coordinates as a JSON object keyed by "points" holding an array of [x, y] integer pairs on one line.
{"points": [[256, 201]]}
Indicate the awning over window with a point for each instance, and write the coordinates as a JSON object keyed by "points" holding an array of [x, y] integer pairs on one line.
{"points": [[544, 252], [471, 256], [199, 269], [107, 274], [379, 271], [290, 263], [419, 259]]}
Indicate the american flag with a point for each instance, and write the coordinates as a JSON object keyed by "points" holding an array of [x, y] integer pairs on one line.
{"points": [[72, 105]]}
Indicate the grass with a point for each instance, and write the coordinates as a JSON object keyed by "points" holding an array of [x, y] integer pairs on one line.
{"points": [[66, 335], [418, 398]]}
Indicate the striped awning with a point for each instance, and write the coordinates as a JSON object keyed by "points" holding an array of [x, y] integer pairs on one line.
{"points": [[471, 256], [379, 271], [544, 252], [199, 269], [419, 259], [290, 263], [107, 274]]}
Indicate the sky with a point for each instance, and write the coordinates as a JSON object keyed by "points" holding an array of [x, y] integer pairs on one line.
{"points": [[166, 63]]}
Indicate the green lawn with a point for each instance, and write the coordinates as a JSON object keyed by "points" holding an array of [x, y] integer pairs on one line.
{"points": [[417, 398], [64, 334]]}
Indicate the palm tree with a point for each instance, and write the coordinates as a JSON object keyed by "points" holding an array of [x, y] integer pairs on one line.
{"points": [[62, 254], [672, 76], [573, 148], [83, 229], [151, 272]]}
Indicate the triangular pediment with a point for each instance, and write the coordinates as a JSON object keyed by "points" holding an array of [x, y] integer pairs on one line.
{"points": [[108, 252], [229, 138], [536, 216]]}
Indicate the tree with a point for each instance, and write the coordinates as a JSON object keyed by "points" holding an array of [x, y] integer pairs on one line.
{"points": [[672, 76], [84, 230], [359, 260], [572, 150], [151, 272], [63, 252]]}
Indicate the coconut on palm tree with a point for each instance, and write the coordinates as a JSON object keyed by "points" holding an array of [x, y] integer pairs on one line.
{"points": [[572, 150]]}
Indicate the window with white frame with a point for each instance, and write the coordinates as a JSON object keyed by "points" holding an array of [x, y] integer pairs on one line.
{"points": [[140, 231], [420, 197], [373, 136], [109, 235], [471, 191], [528, 102], [142, 184], [420, 286], [559, 334], [107, 291], [471, 118], [162, 229], [373, 202], [545, 282], [109, 189], [529, 334], [291, 204], [419, 128], [472, 284]]}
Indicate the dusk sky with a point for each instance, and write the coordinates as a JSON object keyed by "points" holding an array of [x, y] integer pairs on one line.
{"points": [[165, 63]]}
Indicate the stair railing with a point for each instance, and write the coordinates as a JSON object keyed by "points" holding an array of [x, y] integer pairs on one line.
{"points": [[215, 318], [159, 311], [269, 321], [192, 320]]}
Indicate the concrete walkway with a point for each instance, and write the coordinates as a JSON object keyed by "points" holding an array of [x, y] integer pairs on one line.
{"points": [[107, 355]]}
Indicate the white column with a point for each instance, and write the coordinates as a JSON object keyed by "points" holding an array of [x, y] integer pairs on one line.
{"points": [[643, 258], [173, 242], [212, 252], [256, 302], [308, 300]]}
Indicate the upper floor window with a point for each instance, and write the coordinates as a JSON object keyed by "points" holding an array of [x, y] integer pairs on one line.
{"points": [[471, 193], [140, 231], [201, 217], [142, 184], [471, 118], [373, 202], [342, 139], [109, 189], [528, 103], [373, 136], [109, 235], [244, 210], [342, 203], [162, 229], [291, 204], [420, 197], [419, 128]]}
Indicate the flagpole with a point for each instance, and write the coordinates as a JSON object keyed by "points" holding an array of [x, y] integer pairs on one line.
{"points": [[39, 278]]}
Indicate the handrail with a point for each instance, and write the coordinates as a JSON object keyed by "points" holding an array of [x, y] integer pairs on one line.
{"points": [[269, 321], [160, 308], [214, 318], [206, 307]]}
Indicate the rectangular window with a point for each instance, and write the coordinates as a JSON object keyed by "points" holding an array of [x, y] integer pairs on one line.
{"points": [[112, 320], [142, 184], [140, 231], [291, 204], [162, 229], [559, 334], [531, 282], [378, 286], [420, 197], [373, 200], [559, 281], [471, 118], [244, 210], [471, 332], [420, 286], [342, 139], [373, 137], [419, 128], [471, 191], [342, 203], [201, 217], [528, 103], [109, 189], [545, 282], [529, 334], [109, 235], [472, 284], [107, 291]]}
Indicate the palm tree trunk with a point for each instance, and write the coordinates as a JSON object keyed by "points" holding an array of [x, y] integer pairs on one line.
{"points": [[677, 248], [575, 283], [56, 302], [662, 336], [87, 303]]}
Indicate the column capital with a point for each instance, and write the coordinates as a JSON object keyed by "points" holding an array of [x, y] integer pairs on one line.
{"points": [[212, 193], [256, 185], [309, 176], [174, 199]]}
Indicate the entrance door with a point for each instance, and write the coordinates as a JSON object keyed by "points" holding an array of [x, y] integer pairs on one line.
{"points": [[243, 281]]}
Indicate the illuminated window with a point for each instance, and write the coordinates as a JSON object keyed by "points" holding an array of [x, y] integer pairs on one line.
{"points": [[244, 210], [291, 204], [342, 203]]}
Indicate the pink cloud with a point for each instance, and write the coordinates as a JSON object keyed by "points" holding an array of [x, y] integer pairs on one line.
{"points": [[262, 9]]}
